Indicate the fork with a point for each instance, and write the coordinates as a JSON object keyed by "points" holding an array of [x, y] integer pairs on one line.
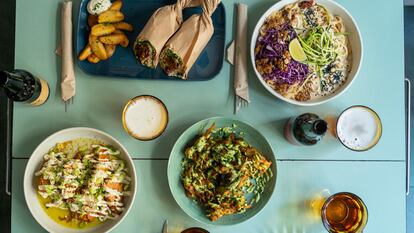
{"points": [[239, 102], [68, 102]]}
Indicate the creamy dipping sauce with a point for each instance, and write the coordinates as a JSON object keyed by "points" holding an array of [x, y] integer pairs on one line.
{"points": [[145, 117], [96, 7], [359, 128]]}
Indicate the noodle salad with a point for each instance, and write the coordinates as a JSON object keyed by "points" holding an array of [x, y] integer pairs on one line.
{"points": [[223, 173], [303, 52]]}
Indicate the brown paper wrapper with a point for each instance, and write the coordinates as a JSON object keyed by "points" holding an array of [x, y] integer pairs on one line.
{"points": [[190, 40], [163, 23]]}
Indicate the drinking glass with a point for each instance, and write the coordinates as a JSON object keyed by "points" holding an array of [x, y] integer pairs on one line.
{"points": [[344, 213], [358, 128]]}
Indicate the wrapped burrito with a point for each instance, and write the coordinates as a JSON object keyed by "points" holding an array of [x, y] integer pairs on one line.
{"points": [[163, 23], [183, 49]]}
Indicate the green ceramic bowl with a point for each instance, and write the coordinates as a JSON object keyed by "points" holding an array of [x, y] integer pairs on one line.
{"points": [[191, 207]]}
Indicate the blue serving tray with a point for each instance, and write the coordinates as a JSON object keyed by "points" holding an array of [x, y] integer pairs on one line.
{"points": [[124, 64]]}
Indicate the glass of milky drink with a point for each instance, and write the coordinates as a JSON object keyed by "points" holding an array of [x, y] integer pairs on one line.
{"points": [[145, 117], [359, 128]]}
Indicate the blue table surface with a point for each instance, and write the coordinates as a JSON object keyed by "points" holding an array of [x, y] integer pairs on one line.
{"points": [[289, 211], [99, 101]]}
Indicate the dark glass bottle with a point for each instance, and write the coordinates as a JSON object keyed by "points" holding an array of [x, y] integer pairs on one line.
{"points": [[307, 129], [22, 86]]}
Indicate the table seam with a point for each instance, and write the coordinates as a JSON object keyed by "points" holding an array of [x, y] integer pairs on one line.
{"points": [[279, 160]]}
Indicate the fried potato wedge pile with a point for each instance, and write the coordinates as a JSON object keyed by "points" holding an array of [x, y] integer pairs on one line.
{"points": [[107, 30]]}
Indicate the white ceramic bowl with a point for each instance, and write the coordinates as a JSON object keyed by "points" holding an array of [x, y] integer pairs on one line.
{"points": [[36, 160], [354, 39]]}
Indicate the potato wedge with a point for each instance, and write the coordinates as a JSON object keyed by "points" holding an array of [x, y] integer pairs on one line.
{"points": [[125, 42], [113, 39], [102, 29], [124, 26], [92, 20], [110, 49], [85, 52], [93, 58], [116, 6], [118, 32], [97, 47], [110, 17]]}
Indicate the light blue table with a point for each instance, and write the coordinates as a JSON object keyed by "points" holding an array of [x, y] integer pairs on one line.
{"points": [[378, 175], [288, 211], [99, 101]]}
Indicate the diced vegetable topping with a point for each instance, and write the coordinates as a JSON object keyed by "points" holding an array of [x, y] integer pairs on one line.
{"points": [[273, 58], [224, 173], [91, 183]]}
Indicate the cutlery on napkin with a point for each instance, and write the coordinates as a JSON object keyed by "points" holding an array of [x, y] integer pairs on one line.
{"points": [[165, 227], [237, 56], [68, 83]]}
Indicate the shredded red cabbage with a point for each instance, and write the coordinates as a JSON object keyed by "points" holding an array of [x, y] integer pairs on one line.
{"points": [[272, 45]]}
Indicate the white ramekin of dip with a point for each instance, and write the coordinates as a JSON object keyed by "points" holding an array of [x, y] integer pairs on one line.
{"points": [[95, 7]]}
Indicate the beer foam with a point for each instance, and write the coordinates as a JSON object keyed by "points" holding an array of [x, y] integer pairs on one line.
{"points": [[359, 128], [146, 117]]}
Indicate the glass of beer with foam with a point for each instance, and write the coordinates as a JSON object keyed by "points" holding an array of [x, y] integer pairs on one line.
{"points": [[359, 128]]}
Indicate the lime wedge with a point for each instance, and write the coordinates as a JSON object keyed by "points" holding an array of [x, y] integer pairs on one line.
{"points": [[296, 51]]}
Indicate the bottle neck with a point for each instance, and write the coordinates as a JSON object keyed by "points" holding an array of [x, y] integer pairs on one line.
{"points": [[319, 127], [314, 128], [12, 81], [19, 85], [308, 129], [4, 77]]}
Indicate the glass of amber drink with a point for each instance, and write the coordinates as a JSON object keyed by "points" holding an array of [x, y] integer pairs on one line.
{"points": [[344, 213]]}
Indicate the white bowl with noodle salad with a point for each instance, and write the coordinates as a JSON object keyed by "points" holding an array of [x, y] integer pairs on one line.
{"points": [[306, 52], [79, 180]]}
